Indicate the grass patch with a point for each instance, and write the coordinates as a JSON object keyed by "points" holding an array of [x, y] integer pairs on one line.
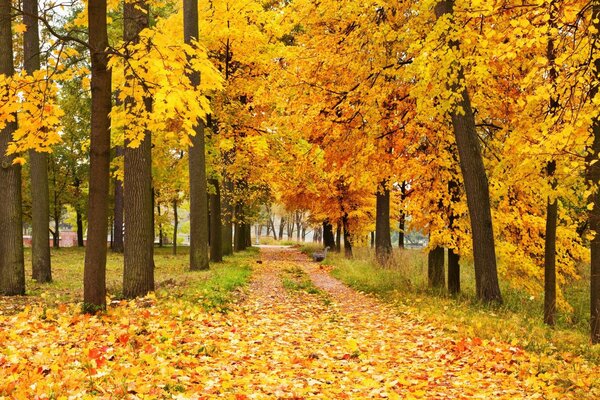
{"points": [[519, 320], [216, 287], [295, 279]]}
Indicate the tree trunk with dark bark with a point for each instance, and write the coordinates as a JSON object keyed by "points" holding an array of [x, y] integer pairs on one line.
{"points": [[435, 268], [453, 272], [38, 161], [383, 238], [227, 242], [79, 217], [118, 238], [197, 164], [347, 238], [281, 227], [216, 247], [552, 204], [94, 281], [593, 177], [328, 238], [56, 232], [12, 267], [476, 184], [402, 218], [138, 274], [338, 237]]}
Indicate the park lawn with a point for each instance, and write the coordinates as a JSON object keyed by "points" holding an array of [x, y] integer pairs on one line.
{"points": [[518, 321], [215, 287]]}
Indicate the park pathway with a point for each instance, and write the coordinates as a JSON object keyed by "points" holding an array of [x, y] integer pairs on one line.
{"points": [[337, 343]]}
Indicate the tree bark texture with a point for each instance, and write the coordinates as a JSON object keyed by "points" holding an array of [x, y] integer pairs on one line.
{"points": [[347, 238], [38, 161], [476, 185], [227, 242], [328, 238], [138, 255], [453, 272], [117, 244], [338, 237], [216, 240], [593, 178], [402, 218], [197, 164], [12, 267], [435, 268], [94, 281], [383, 239], [79, 218]]}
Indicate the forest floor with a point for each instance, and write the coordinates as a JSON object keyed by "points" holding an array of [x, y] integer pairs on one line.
{"points": [[295, 333]]}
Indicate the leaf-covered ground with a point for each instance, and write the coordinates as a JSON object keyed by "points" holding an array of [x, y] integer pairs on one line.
{"points": [[298, 333]]}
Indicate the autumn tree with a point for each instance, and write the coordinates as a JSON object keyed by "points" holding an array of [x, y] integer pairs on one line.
{"points": [[198, 186], [12, 269], [138, 274], [95, 256], [474, 175], [40, 252]]}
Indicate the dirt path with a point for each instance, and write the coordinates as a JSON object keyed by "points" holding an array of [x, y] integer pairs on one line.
{"points": [[338, 343]]}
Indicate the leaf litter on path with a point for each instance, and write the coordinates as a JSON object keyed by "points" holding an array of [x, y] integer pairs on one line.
{"points": [[277, 343]]}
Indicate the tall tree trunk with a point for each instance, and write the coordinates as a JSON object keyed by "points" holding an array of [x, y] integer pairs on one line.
{"points": [[298, 225], [117, 243], [347, 238], [12, 267], [593, 176], [38, 161], [453, 272], [328, 238], [273, 228], [161, 241], [435, 267], [552, 204], [453, 257], [216, 243], [239, 239], [281, 227], [56, 233], [94, 280], [383, 239], [79, 218], [227, 242], [338, 237], [402, 218], [197, 164], [138, 274], [248, 235], [476, 184], [175, 227]]}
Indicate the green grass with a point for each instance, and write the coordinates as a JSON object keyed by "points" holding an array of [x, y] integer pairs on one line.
{"points": [[403, 282], [294, 279], [214, 288]]}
